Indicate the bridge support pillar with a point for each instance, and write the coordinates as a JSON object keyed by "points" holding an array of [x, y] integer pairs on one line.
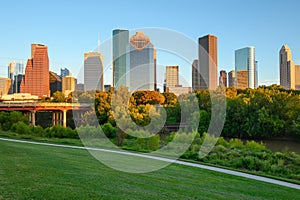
{"points": [[32, 118], [53, 118], [60, 117], [64, 118]]}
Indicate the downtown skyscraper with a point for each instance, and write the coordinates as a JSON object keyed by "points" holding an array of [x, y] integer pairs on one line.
{"points": [[15, 73], [172, 77], [208, 62], [289, 72], [246, 68], [36, 79], [142, 59], [120, 47], [93, 71]]}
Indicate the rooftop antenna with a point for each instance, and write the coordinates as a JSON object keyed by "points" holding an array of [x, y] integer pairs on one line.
{"points": [[98, 42]]}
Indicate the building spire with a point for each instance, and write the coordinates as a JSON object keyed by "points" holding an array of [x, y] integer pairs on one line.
{"points": [[98, 42]]}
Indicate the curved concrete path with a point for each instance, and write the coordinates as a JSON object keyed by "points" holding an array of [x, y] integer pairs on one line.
{"points": [[216, 169]]}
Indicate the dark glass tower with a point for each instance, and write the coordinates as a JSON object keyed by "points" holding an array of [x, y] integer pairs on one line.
{"points": [[120, 45]]}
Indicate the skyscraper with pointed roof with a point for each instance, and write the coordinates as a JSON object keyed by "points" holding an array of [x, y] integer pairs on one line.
{"points": [[142, 59], [287, 68]]}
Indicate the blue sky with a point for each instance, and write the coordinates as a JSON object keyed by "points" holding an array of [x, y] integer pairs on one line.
{"points": [[70, 28]]}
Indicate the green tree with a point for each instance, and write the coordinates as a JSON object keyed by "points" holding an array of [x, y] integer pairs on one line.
{"points": [[59, 97]]}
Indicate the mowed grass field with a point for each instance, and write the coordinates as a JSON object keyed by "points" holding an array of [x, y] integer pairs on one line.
{"points": [[29, 171]]}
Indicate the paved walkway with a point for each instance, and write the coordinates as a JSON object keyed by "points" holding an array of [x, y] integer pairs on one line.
{"points": [[216, 169]]}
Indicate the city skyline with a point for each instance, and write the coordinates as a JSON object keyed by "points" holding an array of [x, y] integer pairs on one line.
{"points": [[68, 39]]}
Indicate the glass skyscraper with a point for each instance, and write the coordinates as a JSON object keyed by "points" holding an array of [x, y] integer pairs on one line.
{"points": [[245, 61], [15, 73], [120, 45], [142, 63]]}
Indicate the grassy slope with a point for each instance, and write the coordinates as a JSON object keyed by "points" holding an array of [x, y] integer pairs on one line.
{"points": [[41, 172]]}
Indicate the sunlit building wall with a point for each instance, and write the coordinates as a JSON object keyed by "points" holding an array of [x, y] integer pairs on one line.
{"points": [[4, 85], [172, 77], [36, 79], [287, 68], [68, 84], [208, 62]]}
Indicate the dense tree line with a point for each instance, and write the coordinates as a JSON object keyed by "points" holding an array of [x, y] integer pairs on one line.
{"points": [[250, 113]]}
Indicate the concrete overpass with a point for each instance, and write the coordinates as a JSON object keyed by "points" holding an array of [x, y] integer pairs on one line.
{"points": [[59, 110]]}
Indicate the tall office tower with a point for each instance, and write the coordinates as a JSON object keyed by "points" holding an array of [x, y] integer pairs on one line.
{"points": [[36, 79], [231, 78], [287, 68], [120, 45], [65, 72], [93, 71], [4, 85], [195, 75], [142, 75], [172, 78], [15, 73], [245, 60], [208, 62], [68, 84], [223, 78], [55, 83]]}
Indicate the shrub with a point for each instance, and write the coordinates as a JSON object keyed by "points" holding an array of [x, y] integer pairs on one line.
{"points": [[38, 130], [248, 162], [21, 128], [236, 143], [252, 145], [57, 131], [220, 148], [151, 143], [109, 130], [69, 133], [90, 132], [223, 142]]}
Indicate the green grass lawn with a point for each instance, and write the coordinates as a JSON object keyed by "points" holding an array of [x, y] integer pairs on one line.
{"points": [[30, 171]]}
